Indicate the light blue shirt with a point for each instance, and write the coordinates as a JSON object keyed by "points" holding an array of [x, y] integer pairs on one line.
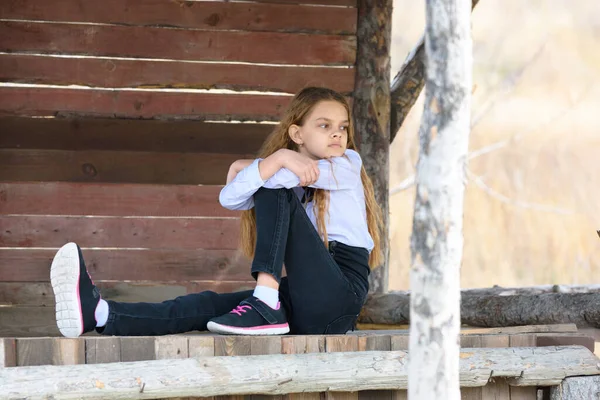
{"points": [[347, 219]]}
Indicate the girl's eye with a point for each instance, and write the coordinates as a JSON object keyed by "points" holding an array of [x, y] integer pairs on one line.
{"points": [[324, 126], [344, 128]]}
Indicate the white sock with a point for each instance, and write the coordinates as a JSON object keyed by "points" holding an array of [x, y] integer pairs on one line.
{"points": [[101, 313], [268, 295]]}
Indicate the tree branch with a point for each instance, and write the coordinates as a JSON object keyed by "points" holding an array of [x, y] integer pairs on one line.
{"points": [[407, 85]]}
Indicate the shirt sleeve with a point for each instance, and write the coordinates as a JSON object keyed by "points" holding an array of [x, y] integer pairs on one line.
{"points": [[337, 173], [237, 195]]}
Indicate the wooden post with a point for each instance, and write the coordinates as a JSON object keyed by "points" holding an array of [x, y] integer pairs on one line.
{"points": [[407, 85], [437, 239], [371, 110]]}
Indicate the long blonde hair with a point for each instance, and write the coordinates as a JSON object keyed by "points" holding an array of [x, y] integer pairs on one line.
{"points": [[301, 105]]}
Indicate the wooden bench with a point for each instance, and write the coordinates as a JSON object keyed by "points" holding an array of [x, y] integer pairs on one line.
{"points": [[497, 365]]}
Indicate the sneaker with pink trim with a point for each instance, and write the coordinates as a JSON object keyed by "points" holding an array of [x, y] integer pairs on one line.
{"points": [[251, 317], [75, 294]]}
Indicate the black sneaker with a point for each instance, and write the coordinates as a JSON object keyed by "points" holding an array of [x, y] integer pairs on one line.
{"points": [[251, 317], [75, 294]]}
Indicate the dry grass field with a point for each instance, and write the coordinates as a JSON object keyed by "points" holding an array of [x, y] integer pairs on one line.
{"points": [[533, 198]]}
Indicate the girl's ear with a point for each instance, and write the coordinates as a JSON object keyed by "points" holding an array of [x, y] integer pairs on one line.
{"points": [[295, 134]]}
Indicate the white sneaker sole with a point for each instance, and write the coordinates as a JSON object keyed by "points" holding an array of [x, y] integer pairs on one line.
{"points": [[64, 276], [232, 330]]}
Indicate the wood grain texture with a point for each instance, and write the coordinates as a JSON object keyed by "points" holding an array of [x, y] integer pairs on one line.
{"points": [[140, 104], [318, 372], [177, 44], [539, 309], [190, 14], [371, 112], [176, 136], [132, 73], [100, 350], [123, 200], [131, 265], [40, 293], [135, 232], [115, 166], [8, 352]]}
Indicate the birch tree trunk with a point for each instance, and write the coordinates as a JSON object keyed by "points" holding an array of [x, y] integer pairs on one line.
{"points": [[437, 241]]}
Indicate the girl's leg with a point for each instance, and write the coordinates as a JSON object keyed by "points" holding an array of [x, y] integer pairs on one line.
{"points": [[316, 291], [77, 298]]}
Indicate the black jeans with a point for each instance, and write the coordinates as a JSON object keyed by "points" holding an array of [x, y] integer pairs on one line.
{"points": [[323, 292]]}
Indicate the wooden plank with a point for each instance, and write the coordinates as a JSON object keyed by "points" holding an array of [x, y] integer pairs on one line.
{"points": [[143, 104], [341, 343], [56, 198], [68, 351], [400, 342], [26, 322], [41, 294], [555, 339], [295, 373], [177, 44], [137, 348], [8, 352], [100, 350], [130, 265], [370, 343], [201, 346], [132, 73], [265, 345], [232, 345], [523, 392], [171, 346], [132, 135], [476, 393], [115, 167], [190, 14], [348, 3], [514, 330], [33, 351], [135, 232], [302, 345]]}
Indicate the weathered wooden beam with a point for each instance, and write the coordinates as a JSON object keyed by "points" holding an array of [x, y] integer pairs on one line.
{"points": [[371, 110], [581, 309], [285, 373], [407, 85], [577, 388]]}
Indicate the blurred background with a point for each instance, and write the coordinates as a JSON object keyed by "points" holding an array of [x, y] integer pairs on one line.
{"points": [[532, 202]]}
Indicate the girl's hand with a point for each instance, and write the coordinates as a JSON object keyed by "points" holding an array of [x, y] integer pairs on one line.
{"points": [[236, 167], [304, 167]]}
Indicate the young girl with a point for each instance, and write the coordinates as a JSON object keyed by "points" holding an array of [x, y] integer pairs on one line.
{"points": [[308, 203]]}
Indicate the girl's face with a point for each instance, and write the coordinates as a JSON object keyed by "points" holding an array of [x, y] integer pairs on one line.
{"points": [[324, 133]]}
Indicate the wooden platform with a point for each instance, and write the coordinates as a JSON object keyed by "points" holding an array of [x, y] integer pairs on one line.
{"points": [[96, 349]]}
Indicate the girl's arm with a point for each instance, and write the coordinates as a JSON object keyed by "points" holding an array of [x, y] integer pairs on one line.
{"points": [[336, 173], [245, 177]]}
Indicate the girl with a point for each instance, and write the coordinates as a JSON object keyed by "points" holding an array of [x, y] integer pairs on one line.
{"points": [[308, 203]]}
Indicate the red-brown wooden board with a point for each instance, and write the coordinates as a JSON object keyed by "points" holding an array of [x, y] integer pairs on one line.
{"points": [[58, 198], [44, 101], [41, 294], [116, 167], [132, 135], [118, 232], [117, 73], [348, 3], [131, 265], [178, 44], [211, 15]]}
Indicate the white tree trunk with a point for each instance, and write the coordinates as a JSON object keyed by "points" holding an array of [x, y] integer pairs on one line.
{"points": [[437, 241]]}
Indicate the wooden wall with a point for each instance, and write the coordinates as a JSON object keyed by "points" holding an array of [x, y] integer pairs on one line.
{"points": [[115, 133]]}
